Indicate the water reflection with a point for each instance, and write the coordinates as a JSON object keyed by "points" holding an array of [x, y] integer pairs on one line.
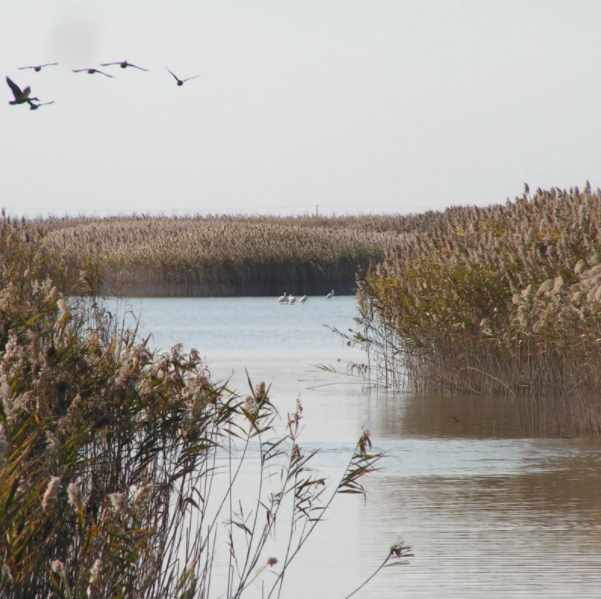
{"points": [[489, 510]]}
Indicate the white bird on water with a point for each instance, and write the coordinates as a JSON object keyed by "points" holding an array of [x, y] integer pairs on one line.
{"points": [[330, 295], [303, 299], [291, 299], [283, 299]]}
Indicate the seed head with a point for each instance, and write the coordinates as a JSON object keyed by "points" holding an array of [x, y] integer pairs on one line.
{"points": [[259, 391], [364, 442], [51, 295], [295, 454], [142, 494], [400, 551], [51, 492], [62, 306], [546, 286], [95, 571], [250, 405], [118, 502], [58, 567], [74, 495], [53, 442]]}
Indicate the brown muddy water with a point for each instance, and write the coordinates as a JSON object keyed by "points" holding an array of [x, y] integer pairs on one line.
{"points": [[490, 508]]}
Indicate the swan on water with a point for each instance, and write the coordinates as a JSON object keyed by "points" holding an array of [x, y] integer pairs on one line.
{"points": [[330, 295], [291, 299], [283, 299], [303, 299]]}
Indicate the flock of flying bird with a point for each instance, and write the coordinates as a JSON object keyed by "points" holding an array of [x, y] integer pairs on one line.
{"points": [[291, 300], [22, 96]]}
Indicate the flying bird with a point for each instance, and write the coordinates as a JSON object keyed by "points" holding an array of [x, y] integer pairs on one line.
{"points": [[180, 82], [33, 106], [123, 65], [91, 72], [37, 68], [21, 97]]}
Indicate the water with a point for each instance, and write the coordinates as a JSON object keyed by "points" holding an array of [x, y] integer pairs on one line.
{"points": [[488, 510]]}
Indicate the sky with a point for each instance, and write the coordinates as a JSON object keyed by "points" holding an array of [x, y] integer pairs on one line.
{"points": [[328, 106]]}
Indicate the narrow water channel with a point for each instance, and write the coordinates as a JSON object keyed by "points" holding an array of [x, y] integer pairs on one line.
{"points": [[490, 509]]}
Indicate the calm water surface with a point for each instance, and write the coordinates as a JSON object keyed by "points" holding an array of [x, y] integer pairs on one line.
{"points": [[488, 510]]}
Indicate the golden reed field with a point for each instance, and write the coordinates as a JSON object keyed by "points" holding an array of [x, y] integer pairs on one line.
{"points": [[222, 256], [498, 300]]}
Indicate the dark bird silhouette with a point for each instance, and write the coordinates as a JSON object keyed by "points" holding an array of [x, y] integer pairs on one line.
{"points": [[39, 67], [91, 72], [180, 82], [33, 106], [21, 97], [122, 64]]}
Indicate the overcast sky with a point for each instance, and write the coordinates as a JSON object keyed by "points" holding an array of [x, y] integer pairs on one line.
{"points": [[356, 106]]}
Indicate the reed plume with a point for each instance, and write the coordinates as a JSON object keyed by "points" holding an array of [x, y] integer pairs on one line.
{"points": [[496, 300]]}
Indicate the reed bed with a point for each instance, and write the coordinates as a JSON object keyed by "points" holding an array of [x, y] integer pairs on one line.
{"points": [[498, 300], [222, 256], [110, 455]]}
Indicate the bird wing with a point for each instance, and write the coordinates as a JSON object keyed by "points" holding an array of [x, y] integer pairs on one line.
{"points": [[136, 67], [49, 64], [188, 79], [174, 75], [105, 74], [108, 64], [17, 93], [22, 68], [79, 70]]}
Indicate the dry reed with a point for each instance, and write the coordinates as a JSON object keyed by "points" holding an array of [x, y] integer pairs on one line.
{"points": [[220, 256], [496, 300], [110, 454]]}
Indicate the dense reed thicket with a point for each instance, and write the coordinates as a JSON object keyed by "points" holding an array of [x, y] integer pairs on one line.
{"points": [[224, 256], [497, 300], [111, 457]]}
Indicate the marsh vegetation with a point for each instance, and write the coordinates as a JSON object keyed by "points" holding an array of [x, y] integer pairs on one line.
{"points": [[222, 256], [503, 300], [217, 256], [111, 456]]}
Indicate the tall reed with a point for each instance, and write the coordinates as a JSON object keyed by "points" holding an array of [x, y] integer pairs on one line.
{"points": [[497, 300], [111, 457], [216, 256]]}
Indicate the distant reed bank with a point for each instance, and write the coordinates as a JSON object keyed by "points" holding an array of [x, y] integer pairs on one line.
{"points": [[223, 256], [498, 300]]}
